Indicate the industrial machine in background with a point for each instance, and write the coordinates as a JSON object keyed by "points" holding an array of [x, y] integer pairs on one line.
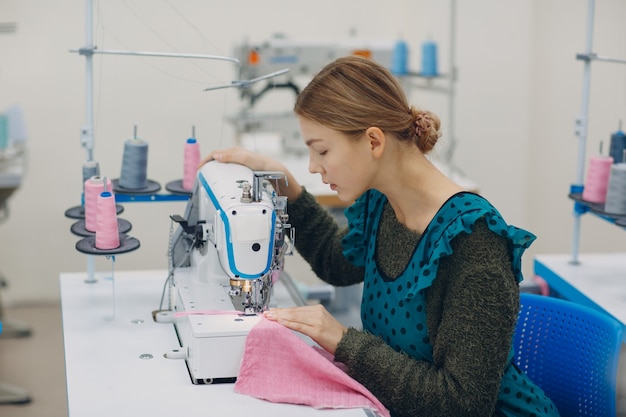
{"points": [[226, 253], [306, 58], [303, 59]]}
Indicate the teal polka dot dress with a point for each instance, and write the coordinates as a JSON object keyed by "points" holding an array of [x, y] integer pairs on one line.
{"points": [[396, 310]]}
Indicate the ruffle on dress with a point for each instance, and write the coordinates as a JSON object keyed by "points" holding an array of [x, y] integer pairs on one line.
{"points": [[457, 215]]}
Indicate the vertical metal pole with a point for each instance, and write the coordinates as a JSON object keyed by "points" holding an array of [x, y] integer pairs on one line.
{"points": [[87, 131], [452, 89], [581, 128]]}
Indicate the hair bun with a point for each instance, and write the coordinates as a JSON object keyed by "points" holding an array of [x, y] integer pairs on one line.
{"points": [[427, 131]]}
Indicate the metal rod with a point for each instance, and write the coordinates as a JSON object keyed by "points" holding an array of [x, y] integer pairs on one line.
{"points": [[87, 135], [581, 128], [595, 57], [452, 89], [247, 83], [90, 50]]}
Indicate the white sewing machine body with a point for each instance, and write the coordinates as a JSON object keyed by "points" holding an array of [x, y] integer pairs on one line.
{"points": [[225, 255]]}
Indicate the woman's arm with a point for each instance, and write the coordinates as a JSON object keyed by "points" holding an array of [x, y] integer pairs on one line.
{"points": [[318, 240], [288, 186]]}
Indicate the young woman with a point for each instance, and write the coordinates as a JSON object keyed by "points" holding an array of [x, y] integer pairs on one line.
{"points": [[440, 265]]}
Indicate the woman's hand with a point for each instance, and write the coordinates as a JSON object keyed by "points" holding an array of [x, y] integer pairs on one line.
{"points": [[313, 321], [256, 162], [245, 157]]}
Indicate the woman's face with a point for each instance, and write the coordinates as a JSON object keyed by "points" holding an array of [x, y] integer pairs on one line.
{"points": [[342, 162]]}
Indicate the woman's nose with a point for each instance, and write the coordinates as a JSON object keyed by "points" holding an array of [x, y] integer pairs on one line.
{"points": [[314, 166]]}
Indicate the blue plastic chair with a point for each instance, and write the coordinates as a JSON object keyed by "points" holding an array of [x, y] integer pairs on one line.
{"points": [[571, 352]]}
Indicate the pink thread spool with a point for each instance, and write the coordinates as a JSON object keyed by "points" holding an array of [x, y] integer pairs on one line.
{"points": [[192, 160], [597, 181], [93, 187], [107, 230]]}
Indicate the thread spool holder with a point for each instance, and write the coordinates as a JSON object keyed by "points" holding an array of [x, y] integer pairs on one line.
{"points": [[79, 229], [87, 245], [597, 209], [78, 212], [87, 139]]}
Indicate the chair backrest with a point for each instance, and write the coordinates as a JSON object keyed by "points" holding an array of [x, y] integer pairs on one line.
{"points": [[571, 352]]}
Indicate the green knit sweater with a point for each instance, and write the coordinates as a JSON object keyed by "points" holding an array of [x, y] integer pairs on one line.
{"points": [[475, 288]]}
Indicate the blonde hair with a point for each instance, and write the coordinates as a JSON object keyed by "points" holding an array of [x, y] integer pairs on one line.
{"points": [[353, 93]]}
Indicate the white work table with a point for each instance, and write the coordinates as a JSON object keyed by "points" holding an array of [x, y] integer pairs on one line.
{"points": [[597, 281], [114, 356]]}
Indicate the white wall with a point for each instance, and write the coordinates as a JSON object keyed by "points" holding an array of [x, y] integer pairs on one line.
{"points": [[518, 94]]}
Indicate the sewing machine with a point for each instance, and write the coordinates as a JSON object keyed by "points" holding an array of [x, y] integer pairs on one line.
{"points": [[225, 255]]}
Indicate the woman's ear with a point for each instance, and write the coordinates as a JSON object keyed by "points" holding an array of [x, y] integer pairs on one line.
{"points": [[376, 140]]}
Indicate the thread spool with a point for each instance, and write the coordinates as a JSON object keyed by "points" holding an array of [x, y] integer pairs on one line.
{"points": [[618, 145], [107, 231], [93, 188], [429, 59], [597, 179], [400, 58], [134, 164], [616, 191], [192, 160], [90, 169]]}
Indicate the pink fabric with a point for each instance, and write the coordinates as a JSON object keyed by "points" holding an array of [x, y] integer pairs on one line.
{"points": [[280, 367]]}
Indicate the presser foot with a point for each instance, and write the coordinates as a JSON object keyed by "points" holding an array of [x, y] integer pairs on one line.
{"points": [[211, 381]]}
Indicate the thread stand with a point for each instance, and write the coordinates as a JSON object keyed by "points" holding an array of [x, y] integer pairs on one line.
{"points": [[598, 209], [79, 228], [112, 258], [78, 212], [87, 245], [176, 187], [150, 188]]}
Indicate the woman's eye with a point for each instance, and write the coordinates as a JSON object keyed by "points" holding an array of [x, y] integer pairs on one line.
{"points": [[322, 152]]}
